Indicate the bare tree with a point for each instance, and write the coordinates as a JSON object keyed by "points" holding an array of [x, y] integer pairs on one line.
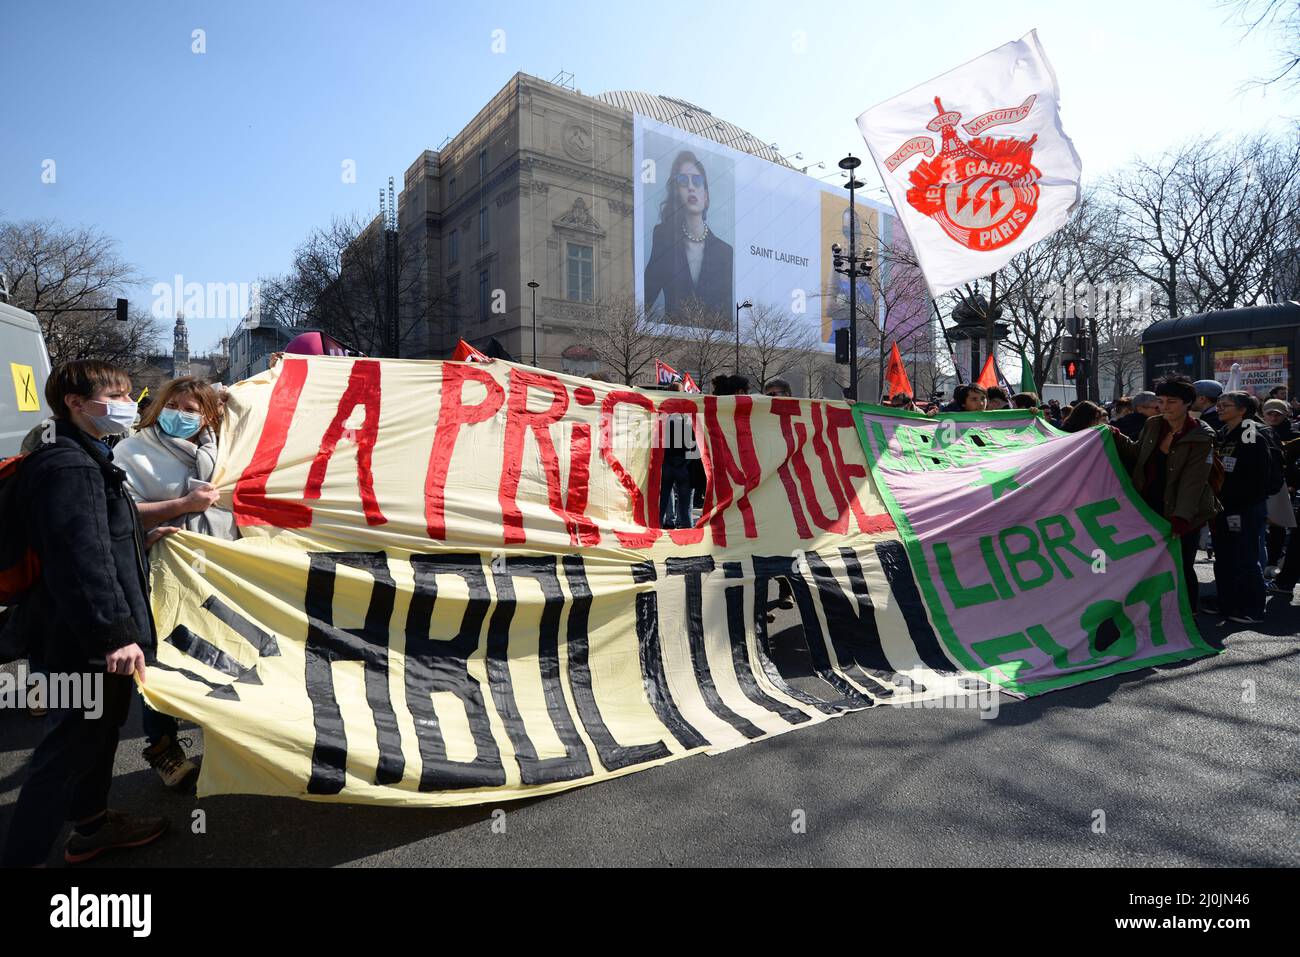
{"points": [[625, 337], [58, 272], [771, 340], [1251, 195], [901, 308], [1158, 218], [339, 275], [1283, 17], [284, 300], [702, 347], [813, 363]]}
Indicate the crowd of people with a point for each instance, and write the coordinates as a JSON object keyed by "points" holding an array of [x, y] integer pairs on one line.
{"points": [[107, 477], [1223, 468]]}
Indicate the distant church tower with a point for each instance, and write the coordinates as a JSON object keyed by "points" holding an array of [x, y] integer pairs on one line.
{"points": [[180, 348]]}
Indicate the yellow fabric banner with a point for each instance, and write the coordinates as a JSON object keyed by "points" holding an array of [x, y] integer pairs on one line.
{"points": [[452, 586]]}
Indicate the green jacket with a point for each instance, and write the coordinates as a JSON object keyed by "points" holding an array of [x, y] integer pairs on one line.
{"points": [[1187, 475]]}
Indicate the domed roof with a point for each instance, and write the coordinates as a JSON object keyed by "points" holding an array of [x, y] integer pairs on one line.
{"points": [[692, 119]]}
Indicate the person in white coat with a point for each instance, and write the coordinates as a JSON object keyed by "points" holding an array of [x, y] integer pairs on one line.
{"points": [[169, 463]]}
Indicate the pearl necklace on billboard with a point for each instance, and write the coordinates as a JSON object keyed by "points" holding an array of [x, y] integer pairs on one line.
{"points": [[696, 239]]}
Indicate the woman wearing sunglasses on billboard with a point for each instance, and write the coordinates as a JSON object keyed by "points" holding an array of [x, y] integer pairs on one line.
{"points": [[687, 261]]}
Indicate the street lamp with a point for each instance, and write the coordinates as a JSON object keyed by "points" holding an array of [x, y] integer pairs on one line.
{"points": [[853, 266], [739, 306], [533, 284]]}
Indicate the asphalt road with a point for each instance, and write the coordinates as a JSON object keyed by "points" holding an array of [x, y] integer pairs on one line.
{"points": [[1186, 772]]}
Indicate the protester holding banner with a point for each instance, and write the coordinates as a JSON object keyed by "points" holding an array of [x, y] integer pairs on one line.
{"points": [[968, 398], [1084, 416], [1171, 463], [170, 460], [677, 439], [997, 398], [1244, 449], [169, 464], [88, 612]]}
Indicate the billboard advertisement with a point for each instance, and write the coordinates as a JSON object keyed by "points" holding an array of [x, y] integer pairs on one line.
{"points": [[716, 226], [1260, 367]]}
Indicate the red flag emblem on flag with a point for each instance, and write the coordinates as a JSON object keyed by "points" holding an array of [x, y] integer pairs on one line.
{"points": [[667, 375], [466, 353]]}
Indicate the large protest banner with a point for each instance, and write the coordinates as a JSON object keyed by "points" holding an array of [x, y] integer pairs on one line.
{"points": [[452, 586], [1039, 563]]}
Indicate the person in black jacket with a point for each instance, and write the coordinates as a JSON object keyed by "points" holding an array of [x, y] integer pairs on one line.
{"points": [[88, 614], [1289, 573], [1146, 405], [1208, 392], [687, 260], [1277, 417], [677, 439], [1243, 447]]}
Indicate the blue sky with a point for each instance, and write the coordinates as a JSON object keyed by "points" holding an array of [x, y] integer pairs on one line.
{"points": [[214, 166]]}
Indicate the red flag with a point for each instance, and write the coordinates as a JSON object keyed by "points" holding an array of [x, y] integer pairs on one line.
{"points": [[896, 381], [988, 375], [667, 375], [467, 353]]}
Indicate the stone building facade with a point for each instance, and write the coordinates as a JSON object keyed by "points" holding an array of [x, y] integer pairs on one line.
{"points": [[538, 186]]}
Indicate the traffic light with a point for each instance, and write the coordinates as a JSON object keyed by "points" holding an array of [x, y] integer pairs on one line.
{"points": [[1071, 369], [121, 310], [842, 347]]}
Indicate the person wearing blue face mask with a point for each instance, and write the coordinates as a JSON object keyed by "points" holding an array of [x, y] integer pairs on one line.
{"points": [[169, 464]]}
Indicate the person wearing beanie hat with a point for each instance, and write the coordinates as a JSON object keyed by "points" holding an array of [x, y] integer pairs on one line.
{"points": [[1171, 462], [1207, 393]]}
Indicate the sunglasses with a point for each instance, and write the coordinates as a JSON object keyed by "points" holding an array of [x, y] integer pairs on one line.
{"points": [[689, 179]]}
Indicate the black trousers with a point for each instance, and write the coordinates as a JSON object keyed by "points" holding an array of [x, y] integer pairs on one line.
{"points": [[1189, 543], [69, 776], [1289, 573]]}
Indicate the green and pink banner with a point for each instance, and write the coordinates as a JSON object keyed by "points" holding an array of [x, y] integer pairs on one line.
{"points": [[1040, 565]]}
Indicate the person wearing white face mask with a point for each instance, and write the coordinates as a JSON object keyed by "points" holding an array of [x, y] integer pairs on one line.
{"points": [[169, 464], [86, 611]]}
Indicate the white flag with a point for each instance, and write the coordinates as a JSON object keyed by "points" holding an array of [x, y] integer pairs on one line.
{"points": [[972, 194]]}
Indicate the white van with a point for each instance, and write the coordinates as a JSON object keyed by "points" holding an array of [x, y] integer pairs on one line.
{"points": [[24, 367]]}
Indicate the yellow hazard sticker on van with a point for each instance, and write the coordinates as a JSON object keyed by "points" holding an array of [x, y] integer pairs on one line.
{"points": [[29, 400]]}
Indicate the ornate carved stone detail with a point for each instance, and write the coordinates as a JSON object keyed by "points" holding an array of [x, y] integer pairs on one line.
{"points": [[577, 141], [507, 196], [579, 219], [539, 187], [619, 208]]}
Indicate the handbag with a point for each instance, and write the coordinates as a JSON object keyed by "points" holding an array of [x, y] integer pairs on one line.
{"points": [[1280, 511]]}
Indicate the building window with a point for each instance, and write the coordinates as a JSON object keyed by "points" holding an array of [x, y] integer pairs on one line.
{"points": [[453, 304], [451, 189], [482, 164], [580, 260], [484, 296], [482, 226], [453, 247]]}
